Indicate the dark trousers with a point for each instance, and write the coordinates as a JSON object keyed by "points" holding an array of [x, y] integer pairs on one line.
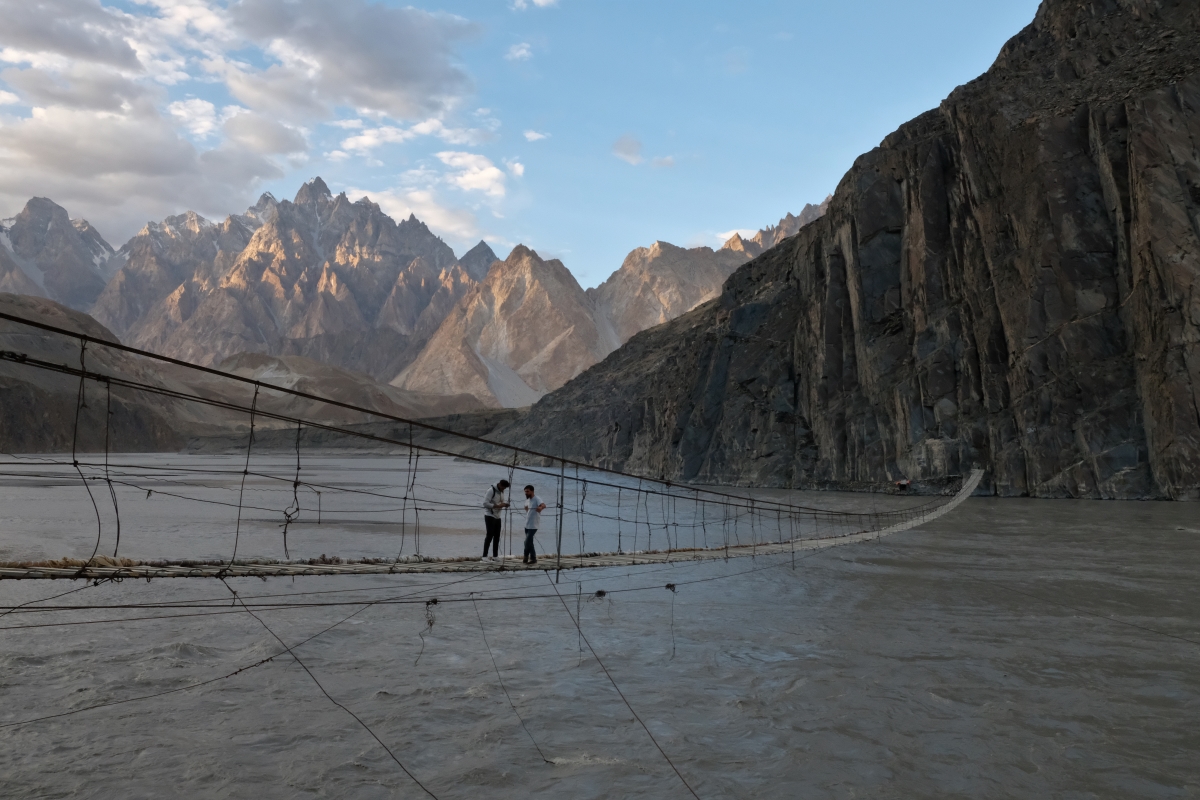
{"points": [[492, 524], [530, 553]]}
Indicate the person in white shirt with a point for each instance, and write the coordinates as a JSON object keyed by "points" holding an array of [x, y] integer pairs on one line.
{"points": [[533, 518], [493, 502]]}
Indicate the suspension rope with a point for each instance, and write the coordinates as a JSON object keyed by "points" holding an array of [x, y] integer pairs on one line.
{"points": [[624, 699]]}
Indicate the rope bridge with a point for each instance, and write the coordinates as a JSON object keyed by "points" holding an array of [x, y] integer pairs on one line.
{"points": [[254, 501]]}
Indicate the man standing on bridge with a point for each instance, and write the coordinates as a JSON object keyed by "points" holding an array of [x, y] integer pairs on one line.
{"points": [[493, 502], [533, 517]]}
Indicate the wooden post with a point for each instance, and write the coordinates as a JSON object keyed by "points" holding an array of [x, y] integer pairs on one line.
{"points": [[562, 478]]}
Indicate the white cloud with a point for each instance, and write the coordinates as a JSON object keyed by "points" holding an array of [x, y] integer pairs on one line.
{"points": [[262, 135], [75, 30], [519, 52], [119, 170], [664, 161], [349, 53], [435, 127], [628, 149], [373, 138], [198, 116], [79, 86], [515, 167], [534, 136], [521, 5], [473, 173], [107, 135]]}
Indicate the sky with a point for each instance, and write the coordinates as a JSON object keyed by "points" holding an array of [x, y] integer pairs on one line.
{"points": [[580, 128]]}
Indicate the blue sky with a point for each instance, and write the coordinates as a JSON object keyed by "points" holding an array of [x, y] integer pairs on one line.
{"points": [[582, 129]]}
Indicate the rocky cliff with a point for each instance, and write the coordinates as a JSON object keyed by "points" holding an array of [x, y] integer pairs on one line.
{"points": [[1011, 280], [67, 260], [166, 255]]}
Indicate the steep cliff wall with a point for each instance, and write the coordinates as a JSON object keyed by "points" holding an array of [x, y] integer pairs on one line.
{"points": [[1011, 280]]}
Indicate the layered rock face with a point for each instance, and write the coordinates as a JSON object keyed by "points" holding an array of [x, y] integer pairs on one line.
{"points": [[1011, 281], [527, 329], [165, 255], [65, 259], [658, 283], [316, 278]]}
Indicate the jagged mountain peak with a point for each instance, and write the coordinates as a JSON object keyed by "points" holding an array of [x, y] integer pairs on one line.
{"points": [[478, 260], [660, 248], [736, 243], [524, 262], [101, 251], [521, 253], [65, 258], [412, 224], [39, 216], [320, 277], [42, 206], [527, 329], [313, 192], [773, 235], [658, 283], [188, 221]]}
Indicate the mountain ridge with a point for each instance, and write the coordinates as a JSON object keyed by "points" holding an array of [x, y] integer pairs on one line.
{"points": [[317, 276]]}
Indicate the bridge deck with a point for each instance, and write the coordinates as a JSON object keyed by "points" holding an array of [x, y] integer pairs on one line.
{"points": [[106, 568]]}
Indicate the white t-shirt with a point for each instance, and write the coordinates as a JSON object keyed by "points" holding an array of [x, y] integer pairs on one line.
{"points": [[533, 517]]}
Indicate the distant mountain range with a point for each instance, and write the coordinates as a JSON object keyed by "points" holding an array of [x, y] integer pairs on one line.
{"points": [[340, 282]]}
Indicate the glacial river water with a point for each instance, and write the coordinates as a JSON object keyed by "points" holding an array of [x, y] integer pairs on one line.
{"points": [[1015, 648]]}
